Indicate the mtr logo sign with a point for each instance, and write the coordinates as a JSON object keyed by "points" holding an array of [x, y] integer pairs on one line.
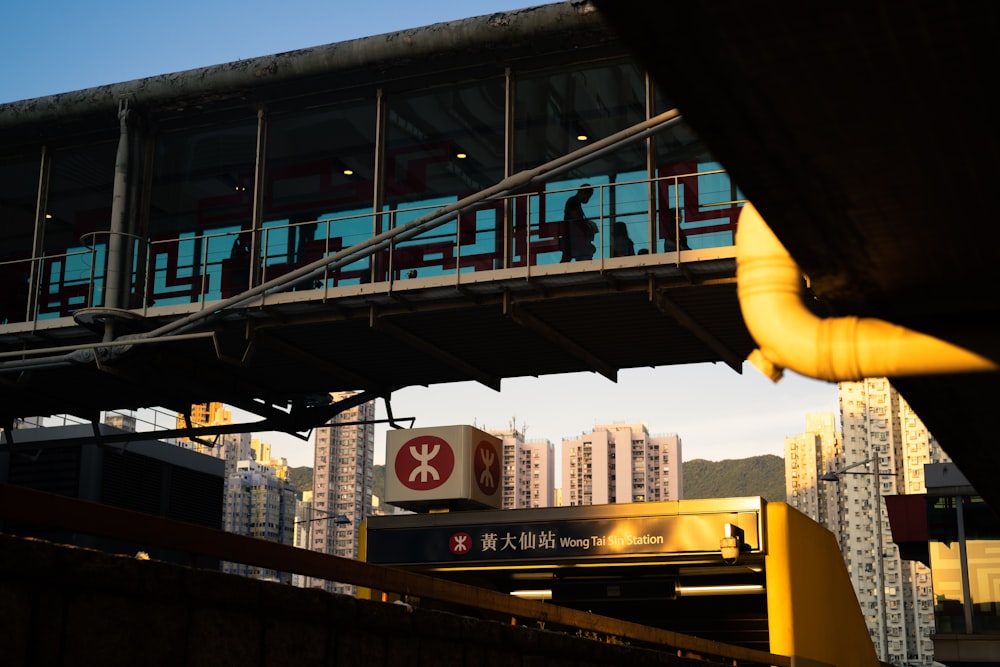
{"points": [[424, 463], [486, 468], [445, 466]]}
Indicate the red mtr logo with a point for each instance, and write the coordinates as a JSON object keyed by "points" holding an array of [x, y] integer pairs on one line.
{"points": [[486, 468], [460, 543], [424, 463]]}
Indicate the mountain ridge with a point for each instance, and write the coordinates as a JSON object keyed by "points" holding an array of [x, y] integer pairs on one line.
{"points": [[762, 475]]}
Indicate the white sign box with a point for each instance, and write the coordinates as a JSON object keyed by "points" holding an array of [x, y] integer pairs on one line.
{"points": [[443, 467]]}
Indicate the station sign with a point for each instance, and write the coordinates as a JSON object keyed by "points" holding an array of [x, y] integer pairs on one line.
{"points": [[579, 539], [443, 467]]}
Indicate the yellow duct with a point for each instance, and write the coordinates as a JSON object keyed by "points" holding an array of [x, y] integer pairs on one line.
{"points": [[833, 349]]}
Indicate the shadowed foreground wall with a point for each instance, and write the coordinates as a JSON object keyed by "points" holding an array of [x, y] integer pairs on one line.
{"points": [[70, 606]]}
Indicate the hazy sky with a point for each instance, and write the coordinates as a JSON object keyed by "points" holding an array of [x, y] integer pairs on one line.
{"points": [[58, 46]]}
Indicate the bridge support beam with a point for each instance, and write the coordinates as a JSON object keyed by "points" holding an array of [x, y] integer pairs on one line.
{"points": [[668, 306], [529, 321], [474, 373]]}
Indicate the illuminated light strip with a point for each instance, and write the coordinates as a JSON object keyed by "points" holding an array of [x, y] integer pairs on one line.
{"points": [[545, 594], [564, 566], [732, 589]]}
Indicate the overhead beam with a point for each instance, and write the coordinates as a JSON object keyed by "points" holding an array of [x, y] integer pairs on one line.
{"points": [[319, 415], [443, 356], [176, 399], [68, 397], [356, 379], [669, 307], [532, 323]]}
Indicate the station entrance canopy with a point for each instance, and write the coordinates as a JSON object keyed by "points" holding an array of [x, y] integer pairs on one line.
{"points": [[663, 564]]}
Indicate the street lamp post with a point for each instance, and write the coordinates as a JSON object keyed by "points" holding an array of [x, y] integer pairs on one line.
{"points": [[340, 519], [337, 519], [880, 572]]}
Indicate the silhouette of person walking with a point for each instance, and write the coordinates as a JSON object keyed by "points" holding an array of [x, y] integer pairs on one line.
{"points": [[236, 276], [621, 243], [305, 234], [578, 231]]}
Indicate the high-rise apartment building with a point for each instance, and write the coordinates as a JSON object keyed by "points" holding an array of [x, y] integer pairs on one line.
{"points": [[528, 471], [230, 447], [621, 463], [303, 532], [881, 449], [807, 456], [261, 452], [343, 466], [259, 504]]}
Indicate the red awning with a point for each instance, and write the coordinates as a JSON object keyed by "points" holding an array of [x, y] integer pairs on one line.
{"points": [[908, 522]]}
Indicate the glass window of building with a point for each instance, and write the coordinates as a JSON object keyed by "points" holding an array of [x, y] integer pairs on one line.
{"points": [[319, 187], [556, 113], [696, 201], [953, 573], [441, 145], [77, 217], [201, 201], [17, 210]]}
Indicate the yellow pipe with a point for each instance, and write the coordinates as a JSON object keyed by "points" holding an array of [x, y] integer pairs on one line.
{"points": [[834, 349]]}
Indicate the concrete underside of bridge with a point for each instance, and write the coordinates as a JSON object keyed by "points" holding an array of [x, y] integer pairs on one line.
{"points": [[863, 136]]}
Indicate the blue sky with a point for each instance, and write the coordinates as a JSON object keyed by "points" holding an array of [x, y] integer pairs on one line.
{"points": [[55, 46], [52, 47]]}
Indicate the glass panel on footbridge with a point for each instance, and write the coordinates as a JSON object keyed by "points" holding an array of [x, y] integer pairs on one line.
{"points": [[318, 187], [201, 197], [442, 145], [557, 112], [19, 177], [696, 201], [75, 229]]}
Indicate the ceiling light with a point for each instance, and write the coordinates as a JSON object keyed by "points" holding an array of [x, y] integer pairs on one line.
{"points": [[732, 589], [545, 594]]}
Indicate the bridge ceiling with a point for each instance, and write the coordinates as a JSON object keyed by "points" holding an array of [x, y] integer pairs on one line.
{"points": [[425, 331], [862, 134]]}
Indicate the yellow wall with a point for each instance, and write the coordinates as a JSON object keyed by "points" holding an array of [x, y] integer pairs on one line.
{"points": [[811, 607]]}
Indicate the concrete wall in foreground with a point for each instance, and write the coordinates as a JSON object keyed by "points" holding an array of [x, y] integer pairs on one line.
{"points": [[70, 606]]}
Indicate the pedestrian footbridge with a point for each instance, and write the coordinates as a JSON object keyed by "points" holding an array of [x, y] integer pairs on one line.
{"points": [[473, 290], [362, 216]]}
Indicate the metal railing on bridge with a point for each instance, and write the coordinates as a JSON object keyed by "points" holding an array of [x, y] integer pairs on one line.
{"points": [[638, 217]]}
